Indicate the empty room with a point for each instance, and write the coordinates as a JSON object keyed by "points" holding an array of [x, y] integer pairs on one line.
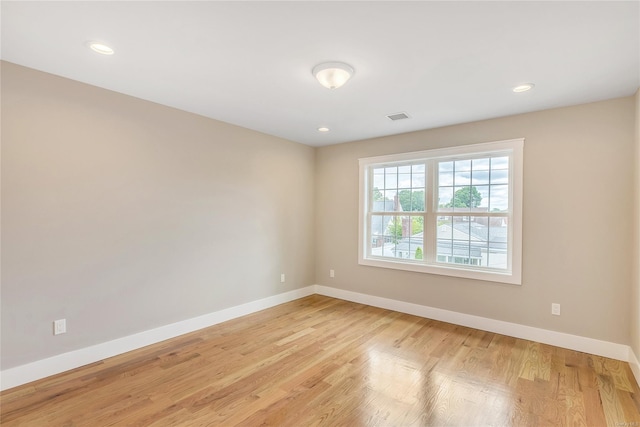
{"points": [[322, 213]]}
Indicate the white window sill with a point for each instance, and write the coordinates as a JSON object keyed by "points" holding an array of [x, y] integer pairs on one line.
{"points": [[443, 270]]}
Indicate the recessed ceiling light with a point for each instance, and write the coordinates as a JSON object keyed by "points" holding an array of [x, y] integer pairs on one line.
{"points": [[323, 129], [100, 48], [523, 87]]}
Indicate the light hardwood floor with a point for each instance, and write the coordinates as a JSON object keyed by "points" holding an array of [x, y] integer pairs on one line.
{"points": [[324, 361]]}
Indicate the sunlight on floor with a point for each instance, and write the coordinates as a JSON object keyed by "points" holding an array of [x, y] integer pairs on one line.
{"points": [[400, 390]]}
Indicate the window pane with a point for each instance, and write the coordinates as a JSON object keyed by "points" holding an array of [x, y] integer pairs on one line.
{"points": [[498, 255], [445, 167], [404, 180], [378, 180], [404, 169], [498, 243], [391, 178], [462, 177], [478, 228], [444, 250], [461, 254], [480, 164], [417, 227], [499, 176], [498, 230], [445, 198], [391, 196], [499, 198], [381, 204], [377, 234], [417, 252], [460, 227], [388, 250], [462, 165], [417, 179], [404, 199], [377, 195], [479, 177], [445, 173], [482, 197], [391, 170], [445, 228], [464, 198], [478, 251], [405, 242], [417, 200], [390, 225], [499, 163]]}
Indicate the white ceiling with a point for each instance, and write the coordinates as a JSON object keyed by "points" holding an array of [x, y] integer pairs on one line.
{"points": [[249, 63]]}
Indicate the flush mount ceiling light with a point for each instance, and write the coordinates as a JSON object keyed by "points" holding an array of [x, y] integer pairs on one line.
{"points": [[323, 129], [523, 87], [332, 75], [100, 48]]}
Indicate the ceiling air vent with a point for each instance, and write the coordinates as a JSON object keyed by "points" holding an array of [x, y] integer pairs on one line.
{"points": [[397, 116]]}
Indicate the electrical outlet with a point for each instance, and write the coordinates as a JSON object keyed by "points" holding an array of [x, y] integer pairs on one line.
{"points": [[60, 327], [282, 278], [555, 309], [332, 273]]}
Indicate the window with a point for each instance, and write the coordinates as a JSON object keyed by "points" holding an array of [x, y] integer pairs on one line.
{"points": [[454, 211]]}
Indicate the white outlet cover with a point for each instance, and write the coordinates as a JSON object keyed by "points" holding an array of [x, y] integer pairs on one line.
{"points": [[60, 327]]}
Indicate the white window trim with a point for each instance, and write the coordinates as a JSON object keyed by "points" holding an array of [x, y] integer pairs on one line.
{"points": [[516, 149]]}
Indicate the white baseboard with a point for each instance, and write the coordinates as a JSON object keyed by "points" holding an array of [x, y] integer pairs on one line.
{"points": [[19, 375], [559, 339], [635, 365], [23, 374]]}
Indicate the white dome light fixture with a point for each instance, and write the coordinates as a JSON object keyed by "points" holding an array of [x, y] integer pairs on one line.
{"points": [[332, 75]]}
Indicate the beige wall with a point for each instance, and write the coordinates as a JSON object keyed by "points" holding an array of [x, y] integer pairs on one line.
{"points": [[578, 179], [122, 215], [635, 300]]}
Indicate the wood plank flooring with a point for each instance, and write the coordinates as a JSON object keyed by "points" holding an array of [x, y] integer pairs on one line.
{"points": [[320, 361]]}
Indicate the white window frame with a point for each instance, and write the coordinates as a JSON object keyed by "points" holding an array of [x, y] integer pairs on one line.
{"points": [[514, 148]]}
